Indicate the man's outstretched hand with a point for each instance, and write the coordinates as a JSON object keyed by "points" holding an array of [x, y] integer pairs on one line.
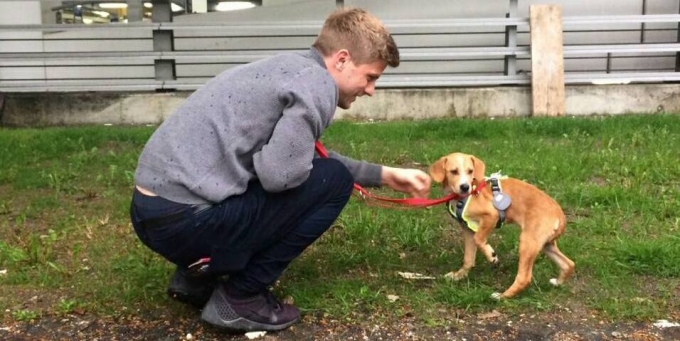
{"points": [[412, 181]]}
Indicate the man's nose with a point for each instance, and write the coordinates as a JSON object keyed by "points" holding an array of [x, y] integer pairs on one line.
{"points": [[370, 89]]}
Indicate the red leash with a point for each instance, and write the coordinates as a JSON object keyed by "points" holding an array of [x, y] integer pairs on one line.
{"points": [[392, 202]]}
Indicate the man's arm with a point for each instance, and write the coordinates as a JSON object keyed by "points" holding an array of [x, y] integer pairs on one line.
{"points": [[412, 181], [285, 161], [365, 173]]}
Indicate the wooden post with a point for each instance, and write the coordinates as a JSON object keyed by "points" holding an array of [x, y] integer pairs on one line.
{"points": [[163, 40], [547, 60]]}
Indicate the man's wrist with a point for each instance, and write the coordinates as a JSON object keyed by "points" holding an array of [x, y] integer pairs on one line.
{"points": [[386, 174]]}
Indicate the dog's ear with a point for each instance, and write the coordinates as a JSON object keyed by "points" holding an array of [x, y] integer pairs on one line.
{"points": [[480, 168], [437, 170]]}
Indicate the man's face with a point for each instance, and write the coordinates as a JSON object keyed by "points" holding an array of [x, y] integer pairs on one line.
{"points": [[357, 80]]}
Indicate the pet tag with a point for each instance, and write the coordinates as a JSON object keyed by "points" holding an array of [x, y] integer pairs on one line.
{"points": [[501, 201]]}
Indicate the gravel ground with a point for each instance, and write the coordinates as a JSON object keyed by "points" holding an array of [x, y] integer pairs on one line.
{"points": [[561, 326]]}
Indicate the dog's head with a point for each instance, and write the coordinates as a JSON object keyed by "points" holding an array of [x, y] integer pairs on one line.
{"points": [[458, 172]]}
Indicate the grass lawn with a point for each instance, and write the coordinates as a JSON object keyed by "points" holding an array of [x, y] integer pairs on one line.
{"points": [[66, 239]]}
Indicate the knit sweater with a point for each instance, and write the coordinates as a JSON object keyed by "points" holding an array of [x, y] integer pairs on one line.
{"points": [[257, 121]]}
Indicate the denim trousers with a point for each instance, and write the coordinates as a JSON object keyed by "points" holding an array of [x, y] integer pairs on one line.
{"points": [[251, 237]]}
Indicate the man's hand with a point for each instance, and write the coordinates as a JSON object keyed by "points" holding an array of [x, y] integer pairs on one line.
{"points": [[412, 181]]}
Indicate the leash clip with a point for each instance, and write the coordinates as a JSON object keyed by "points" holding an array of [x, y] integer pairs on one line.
{"points": [[362, 192]]}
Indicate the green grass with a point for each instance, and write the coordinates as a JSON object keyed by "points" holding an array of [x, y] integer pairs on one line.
{"points": [[66, 237]]}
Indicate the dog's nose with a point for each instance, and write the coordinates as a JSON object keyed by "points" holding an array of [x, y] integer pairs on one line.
{"points": [[464, 188]]}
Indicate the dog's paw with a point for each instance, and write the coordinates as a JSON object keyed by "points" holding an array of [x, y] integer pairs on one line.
{"points": [[497, 296], [456, 276], [493, 258], [555, 282]]}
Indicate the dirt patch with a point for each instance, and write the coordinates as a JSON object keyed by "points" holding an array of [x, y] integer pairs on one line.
{"points": [[489, 326], [598, 181]]}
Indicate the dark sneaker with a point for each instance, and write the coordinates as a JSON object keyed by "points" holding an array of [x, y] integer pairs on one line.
{"points": [[191, 289], [262, 312]]}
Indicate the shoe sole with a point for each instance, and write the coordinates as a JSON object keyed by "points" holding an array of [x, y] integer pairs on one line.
{"points": [[213, 317], [242, 324]]}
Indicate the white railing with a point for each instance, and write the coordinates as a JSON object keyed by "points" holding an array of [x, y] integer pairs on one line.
{"points": [[435, 53]]}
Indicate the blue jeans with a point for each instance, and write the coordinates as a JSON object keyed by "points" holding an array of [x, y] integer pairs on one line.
{"points": [[252, 237]]}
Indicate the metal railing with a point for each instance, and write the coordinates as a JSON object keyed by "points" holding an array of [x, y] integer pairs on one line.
{"points": [[43, 58]]}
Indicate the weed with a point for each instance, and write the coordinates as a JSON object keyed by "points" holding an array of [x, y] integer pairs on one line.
{"points": [[24, 315], [10, 255], [66, 306]]}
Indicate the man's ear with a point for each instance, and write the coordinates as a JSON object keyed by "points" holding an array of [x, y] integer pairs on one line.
{"points": [[340, 58], [480, 168], [438, 170]]}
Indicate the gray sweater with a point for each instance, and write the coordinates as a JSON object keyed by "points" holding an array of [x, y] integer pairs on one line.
{"points": [[256, 121]]}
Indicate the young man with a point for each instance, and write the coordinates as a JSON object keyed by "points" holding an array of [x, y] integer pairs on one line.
{"points": [[232, 175]]}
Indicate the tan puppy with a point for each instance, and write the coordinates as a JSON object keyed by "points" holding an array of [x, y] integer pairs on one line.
{"points": [[539, 216]]}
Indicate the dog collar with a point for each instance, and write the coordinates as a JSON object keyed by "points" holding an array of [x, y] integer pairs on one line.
{"points": [[501, 202]]}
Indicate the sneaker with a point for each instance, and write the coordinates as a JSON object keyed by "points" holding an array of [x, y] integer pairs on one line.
{"points": [[190, 289], [262, 312]]}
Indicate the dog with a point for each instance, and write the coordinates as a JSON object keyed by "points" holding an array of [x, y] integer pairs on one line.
{"points": [[488, 201]]}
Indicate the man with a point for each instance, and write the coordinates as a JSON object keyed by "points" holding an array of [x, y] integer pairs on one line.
{"points": [[232, 175]]}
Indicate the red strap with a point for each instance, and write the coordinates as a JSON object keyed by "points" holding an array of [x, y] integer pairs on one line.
{"points": [[391, 202]]}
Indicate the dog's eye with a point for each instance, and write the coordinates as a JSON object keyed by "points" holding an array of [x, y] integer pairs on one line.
{"points": [[470, 171], [454, 172]]}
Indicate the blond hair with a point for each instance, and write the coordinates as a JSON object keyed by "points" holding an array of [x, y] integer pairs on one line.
{"points": [[360, 33]]}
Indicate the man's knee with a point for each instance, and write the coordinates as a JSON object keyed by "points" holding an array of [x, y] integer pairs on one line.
{"points": [[335, 175]]}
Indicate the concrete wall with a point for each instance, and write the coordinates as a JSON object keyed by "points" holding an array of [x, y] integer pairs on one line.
{"points": [[45, 109]]}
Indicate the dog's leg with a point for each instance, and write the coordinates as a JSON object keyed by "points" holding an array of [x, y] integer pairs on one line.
{"points": [[468, 258], [485, 229], [528, 251], [565, 264]]}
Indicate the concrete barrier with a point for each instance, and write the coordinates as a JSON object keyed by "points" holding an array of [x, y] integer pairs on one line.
{"points": [[95, 108]]}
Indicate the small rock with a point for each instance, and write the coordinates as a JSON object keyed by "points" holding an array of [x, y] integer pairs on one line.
{"points": [[255, 335], [616, 334], [665, 324], [288, 300]]}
